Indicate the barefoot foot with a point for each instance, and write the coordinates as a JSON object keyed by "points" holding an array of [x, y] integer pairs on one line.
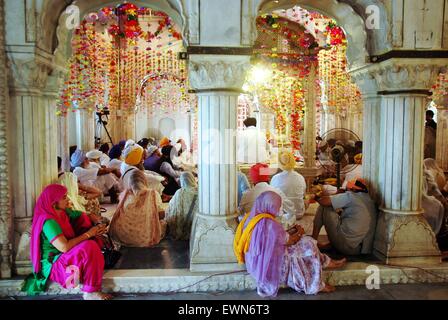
{"points": [[328, 289], [334, 264], [97, 296]]}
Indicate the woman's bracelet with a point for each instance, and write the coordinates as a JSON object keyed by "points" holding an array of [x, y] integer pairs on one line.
{"points": [[88, 235]]}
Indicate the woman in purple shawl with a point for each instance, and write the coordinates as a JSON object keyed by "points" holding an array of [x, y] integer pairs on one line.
{"points": [[60, 247], [277, 258]]}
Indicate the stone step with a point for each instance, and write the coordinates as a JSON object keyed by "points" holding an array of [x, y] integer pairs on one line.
{"points": [[182, 280]]}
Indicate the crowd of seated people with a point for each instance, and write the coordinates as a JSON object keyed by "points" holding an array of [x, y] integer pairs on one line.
{"points": [[68, 226], [69, 231]]}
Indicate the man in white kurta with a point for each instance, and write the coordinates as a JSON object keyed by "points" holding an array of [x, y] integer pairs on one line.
{"points": [[91, 173], [252, 144], [133, 157], [291, 183]]}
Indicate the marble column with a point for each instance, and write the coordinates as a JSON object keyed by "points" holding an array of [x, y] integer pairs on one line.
{"points": [[85, 130], [218, 80], [310, 171], [371, 128], [33, 156], [442, 133], [5, 196], [403, 235]]}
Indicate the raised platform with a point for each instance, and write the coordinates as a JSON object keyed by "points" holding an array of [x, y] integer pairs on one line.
{"points": [[182, 280]]}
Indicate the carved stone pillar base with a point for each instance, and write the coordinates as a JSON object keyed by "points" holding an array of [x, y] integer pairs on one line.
{"points": [[5, 261], [211, 246], [405, 239]]}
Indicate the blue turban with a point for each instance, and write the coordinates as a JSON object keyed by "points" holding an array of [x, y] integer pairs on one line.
{"points": [[77, 158], [115, 152]]}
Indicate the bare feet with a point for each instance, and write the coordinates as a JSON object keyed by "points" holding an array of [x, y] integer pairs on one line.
{"points": [[335, 264], [97, 296], [328, 289]]}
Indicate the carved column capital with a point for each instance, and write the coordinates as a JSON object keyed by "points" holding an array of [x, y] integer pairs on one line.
{"points": [[400, 75], [27, 75], [215, 72]]}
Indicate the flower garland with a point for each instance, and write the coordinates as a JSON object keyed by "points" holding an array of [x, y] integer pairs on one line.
{"points": [[102, 76], [440, 88], [335, 34], [339, 90]]}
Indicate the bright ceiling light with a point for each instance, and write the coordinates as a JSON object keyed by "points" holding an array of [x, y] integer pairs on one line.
{"points": [[260, 74]]}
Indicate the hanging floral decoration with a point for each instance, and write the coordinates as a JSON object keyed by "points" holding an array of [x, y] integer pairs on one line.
{"points": [[104, 73], [289, 43], [335, 34], [338, 90], [440, 88]]}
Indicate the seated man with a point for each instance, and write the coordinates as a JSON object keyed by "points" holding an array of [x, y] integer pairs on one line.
{"points": [[94, 157], [259, 174], [104, 179], [133, 160], [291, 183], [349, 219]]}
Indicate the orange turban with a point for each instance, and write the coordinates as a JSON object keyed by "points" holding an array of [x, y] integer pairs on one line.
{"points": [[164, 142], [133, 156]]}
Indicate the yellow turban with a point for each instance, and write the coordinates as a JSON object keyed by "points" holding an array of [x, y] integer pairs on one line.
{"points": [[286, 160], [358, 158], [133, 156], [164, 142]]}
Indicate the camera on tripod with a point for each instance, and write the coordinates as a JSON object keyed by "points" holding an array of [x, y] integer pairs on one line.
{"points": [[102, 122], [103, 113]]}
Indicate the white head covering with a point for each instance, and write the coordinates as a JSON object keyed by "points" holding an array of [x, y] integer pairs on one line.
{"points": [[129, 143], [70, 181], [151, 150], [187, 180], [94, 154], [77, 158]]}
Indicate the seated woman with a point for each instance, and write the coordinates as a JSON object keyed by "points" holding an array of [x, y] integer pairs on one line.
{"points": [[437, 173], [137, 221], [183, 207], [170, 172], [433, 209], [275, 257], [60, 242]]}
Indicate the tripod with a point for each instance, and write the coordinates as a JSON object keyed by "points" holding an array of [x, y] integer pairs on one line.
{"points": [[102, 124]]}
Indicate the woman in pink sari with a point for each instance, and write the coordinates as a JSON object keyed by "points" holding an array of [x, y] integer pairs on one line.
{"points": [[274, 257], [60, 247]]}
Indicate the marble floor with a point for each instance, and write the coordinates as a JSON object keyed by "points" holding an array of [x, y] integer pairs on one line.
{"points": [[386, 292], [171, 254]]}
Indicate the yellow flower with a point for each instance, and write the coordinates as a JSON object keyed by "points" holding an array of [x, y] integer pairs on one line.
{"points": [[275, 25]]}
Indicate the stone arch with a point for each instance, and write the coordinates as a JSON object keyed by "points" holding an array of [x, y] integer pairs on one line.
{"points": [[56, 37], [352, 24]]}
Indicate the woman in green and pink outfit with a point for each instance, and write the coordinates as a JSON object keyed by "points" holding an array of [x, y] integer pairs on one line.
{"points": [[61, 249]]}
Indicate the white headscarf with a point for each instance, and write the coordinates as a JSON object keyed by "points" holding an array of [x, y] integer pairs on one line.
{"points": [[129, 143], [70, 181], [187, 180]]}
